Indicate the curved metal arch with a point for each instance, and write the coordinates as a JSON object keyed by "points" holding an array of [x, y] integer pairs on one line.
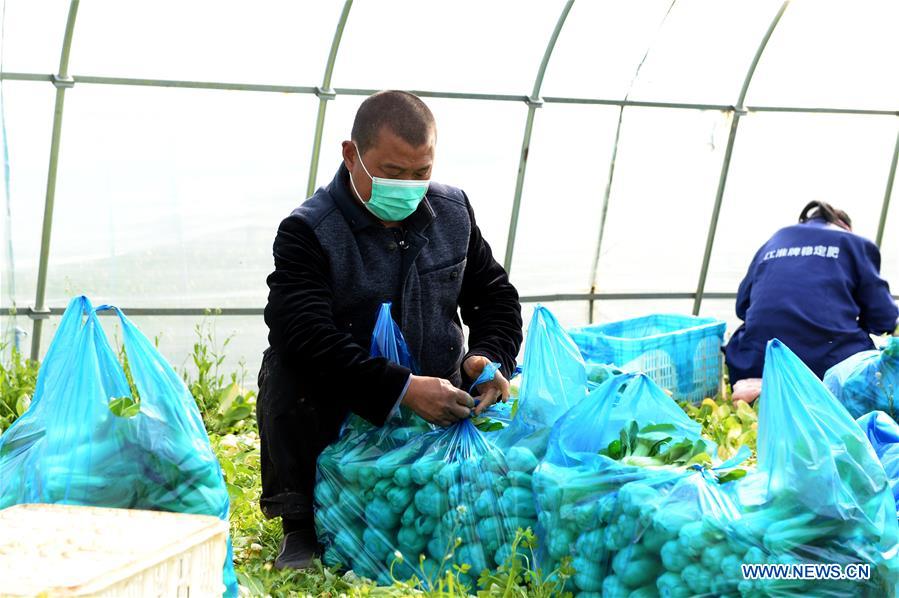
{"points": [[739, 110], [885, 208], [62, 81], [324, 94], [607, 193], [533, 102]]}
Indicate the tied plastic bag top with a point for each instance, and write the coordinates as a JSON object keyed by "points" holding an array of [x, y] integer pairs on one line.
{"points": [[820, 494], [611, 462], [387, 340], [553, 379], [883, 432], [70, 447], [867, 381], [554, 376], [444, 498]]}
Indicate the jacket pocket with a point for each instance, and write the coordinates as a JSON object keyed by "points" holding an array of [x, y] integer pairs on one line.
{"points": [[442, 285], [442, 343]]}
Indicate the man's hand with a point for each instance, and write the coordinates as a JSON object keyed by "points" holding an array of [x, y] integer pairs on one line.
{"points": [[492, 391], [437, 401]]}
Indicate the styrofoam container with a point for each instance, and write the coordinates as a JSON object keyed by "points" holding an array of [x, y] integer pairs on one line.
{"points": [[64, 550]]}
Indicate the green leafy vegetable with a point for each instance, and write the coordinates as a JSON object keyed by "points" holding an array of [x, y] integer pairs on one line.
{"points": [[124, 407], [487, 424], [653, 446]]}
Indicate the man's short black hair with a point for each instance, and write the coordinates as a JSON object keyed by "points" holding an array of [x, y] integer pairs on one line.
{"points": [[402, 112]]}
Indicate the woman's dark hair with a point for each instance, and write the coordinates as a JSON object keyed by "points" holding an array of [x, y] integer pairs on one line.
{"points": [[822, 209]]}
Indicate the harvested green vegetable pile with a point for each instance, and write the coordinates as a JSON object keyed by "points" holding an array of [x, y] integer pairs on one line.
{"points": [[424, 496]]}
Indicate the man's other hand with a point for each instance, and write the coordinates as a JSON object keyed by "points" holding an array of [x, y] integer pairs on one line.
{"points": [[437, 401], [492, 391]]}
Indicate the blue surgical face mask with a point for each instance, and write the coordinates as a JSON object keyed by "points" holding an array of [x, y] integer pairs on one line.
{"points": [[392, 200]]}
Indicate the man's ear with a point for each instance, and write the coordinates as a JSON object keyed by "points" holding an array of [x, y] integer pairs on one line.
{"points": [[349, 154]]}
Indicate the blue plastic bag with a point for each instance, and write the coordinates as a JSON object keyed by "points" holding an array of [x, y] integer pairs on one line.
{"points": [[820, 494], [594, 423], [412, 491], [387, 340], [867, 381], [883, 432], [669, 530], [70, 448], [553, 379], [593, 506], [554, 376], [393, 505]]}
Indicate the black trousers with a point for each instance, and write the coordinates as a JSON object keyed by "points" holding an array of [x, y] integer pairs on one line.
{"points": [[293, 431]]}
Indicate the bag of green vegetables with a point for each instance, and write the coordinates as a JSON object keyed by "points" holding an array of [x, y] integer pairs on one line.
{"points": [[391, 505], [611, 461], [819, 496], [88, 440], [450, 497]]}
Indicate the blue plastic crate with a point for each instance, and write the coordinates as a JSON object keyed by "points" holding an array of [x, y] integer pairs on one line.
{"points": [[681, 353]]}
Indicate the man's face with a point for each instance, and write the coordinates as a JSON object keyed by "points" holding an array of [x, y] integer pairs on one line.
{"points": [[389, 157]]}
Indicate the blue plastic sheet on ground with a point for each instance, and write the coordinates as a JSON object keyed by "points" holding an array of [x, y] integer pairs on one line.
{"points": [[883, 432], [70, 448], [867, 381]]}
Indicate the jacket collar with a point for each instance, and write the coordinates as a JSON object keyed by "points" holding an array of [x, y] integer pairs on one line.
{"points": [[359, 218]]}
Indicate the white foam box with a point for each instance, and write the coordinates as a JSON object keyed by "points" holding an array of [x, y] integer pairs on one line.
{"points": [[63, 550]]}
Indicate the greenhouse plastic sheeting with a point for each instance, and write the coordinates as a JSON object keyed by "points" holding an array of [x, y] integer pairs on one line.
{"points": [[883, 432], [70, 446], [867, 381]]}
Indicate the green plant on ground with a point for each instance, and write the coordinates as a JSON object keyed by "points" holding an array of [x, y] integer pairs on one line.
{"points": [[128, 406], [519, 576], [225, 405], [729, 425], [18, 376]]}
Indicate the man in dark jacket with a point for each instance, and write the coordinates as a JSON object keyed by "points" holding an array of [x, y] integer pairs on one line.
{"points": [[380, 231]]}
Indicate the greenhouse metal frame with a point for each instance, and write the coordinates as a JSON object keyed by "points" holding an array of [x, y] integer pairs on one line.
{"points": [[63, 80]]}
